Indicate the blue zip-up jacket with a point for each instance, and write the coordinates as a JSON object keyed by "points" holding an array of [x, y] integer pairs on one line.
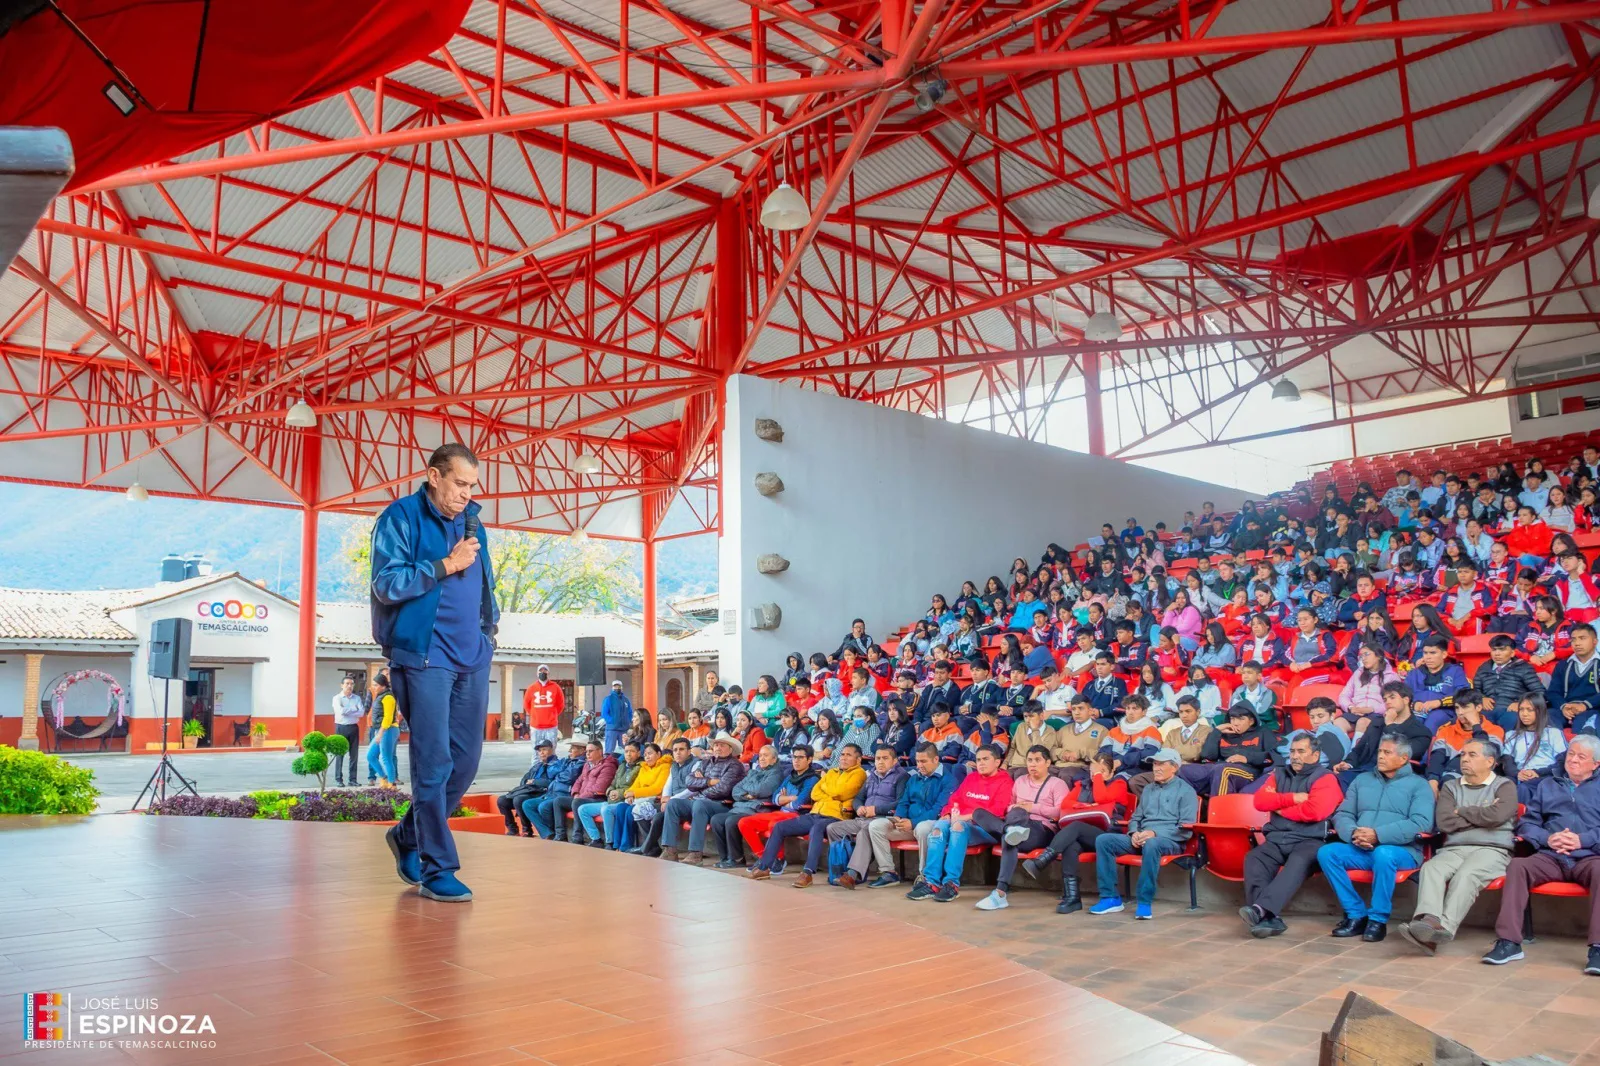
{"points": [[1575, 682], [925, 795], [882, 793], [617, 710], [409, 545], [1556, 803], [1399, 808], [564, 776]]}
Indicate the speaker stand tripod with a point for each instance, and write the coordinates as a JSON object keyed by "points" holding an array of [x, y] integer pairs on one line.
{"points": [[165, 774]]}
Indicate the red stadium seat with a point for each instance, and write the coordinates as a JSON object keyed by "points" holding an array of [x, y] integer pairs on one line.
{"points": [[1189, 859], [1228, 833]]}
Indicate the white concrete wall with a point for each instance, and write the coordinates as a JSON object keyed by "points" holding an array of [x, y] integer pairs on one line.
{"points": [[233, 644], [87, 698], [882, 508]]}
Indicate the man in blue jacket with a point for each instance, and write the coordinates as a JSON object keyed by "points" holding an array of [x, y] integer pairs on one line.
{"points": [[617, 711], [920, 806], [434, 615], [1575, 682], [1378, 823]]}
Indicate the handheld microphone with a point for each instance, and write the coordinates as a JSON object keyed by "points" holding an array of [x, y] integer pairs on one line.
{"points": [[472, 526]]}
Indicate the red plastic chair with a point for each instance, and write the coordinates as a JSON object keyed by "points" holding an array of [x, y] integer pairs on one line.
{"points": [[1227, 834], [1189, 860], [1301, 695], [1564, 889]]}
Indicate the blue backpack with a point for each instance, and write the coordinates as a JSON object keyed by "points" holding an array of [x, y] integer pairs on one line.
{"points": [[839, 853]]}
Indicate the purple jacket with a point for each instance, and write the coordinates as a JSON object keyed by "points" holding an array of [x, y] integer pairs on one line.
{"points": [[882, 793]]}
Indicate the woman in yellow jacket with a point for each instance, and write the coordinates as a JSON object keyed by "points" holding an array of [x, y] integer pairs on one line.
{"points": [[617, 818], [833, 798]]}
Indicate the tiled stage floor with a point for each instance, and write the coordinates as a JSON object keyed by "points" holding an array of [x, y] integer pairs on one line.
{"points": [[302, 946]]}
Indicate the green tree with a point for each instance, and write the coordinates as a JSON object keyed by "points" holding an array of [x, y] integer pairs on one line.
{"points": [[534, 572]]}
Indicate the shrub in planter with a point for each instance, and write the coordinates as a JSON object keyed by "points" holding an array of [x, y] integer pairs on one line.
{"points": [[272, 804], [193, 730], [317, 752], [206, 807], [32, 782]]}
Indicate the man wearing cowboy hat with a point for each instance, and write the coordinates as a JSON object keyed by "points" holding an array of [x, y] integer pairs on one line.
{"points": [[710, 786]]}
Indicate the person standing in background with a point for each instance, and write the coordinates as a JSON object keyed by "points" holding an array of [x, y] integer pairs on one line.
{"points": [[617, 711], [347, 712], [383, 735], [435, 617], [543, 701]]}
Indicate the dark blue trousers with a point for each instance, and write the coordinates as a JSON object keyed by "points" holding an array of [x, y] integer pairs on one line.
{"points": [[446, 711]]}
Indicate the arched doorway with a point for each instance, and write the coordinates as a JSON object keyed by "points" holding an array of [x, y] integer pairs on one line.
{"points": [[675, 696]]}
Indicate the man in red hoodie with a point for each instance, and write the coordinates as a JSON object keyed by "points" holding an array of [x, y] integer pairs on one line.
{"points": [[1302, 797], [543, 701], [987, 788]]}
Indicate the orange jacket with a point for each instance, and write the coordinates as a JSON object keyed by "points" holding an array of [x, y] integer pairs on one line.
{"points": [[543, 703]]}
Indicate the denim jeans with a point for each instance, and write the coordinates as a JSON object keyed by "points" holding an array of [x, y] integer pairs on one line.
{"points": [[382, 752], [446, 711], [947, 849], [1109, 846], [1386, 861], [612, 818]]}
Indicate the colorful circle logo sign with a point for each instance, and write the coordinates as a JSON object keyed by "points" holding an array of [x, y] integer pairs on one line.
{"points": [[232, 609]]}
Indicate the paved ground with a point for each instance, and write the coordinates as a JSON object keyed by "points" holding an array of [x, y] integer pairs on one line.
{"points": [[120, 777], [1268, 1001]]}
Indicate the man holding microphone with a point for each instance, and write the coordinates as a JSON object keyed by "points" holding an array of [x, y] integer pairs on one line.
{"points": [[434, 615]]}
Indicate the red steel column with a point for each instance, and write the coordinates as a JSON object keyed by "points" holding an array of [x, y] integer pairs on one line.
{"points": [[310, 486], [1094, 417], [650, 681]]}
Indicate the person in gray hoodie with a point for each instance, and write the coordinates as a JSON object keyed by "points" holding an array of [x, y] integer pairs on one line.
{"points": [[1383, 813], [1477, 812], [751, 795], [886, 782]]}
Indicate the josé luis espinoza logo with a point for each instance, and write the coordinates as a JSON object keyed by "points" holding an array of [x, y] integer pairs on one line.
{"points": [[53, 1020], [231, 616]]}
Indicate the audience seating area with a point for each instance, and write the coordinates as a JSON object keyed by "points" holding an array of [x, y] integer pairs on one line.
{"points": [[1439, 613]]}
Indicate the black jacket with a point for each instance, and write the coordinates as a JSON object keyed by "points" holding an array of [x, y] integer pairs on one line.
{"points": [[1286, 832], [1364, 756], [1508, 683], [1255, 744]]}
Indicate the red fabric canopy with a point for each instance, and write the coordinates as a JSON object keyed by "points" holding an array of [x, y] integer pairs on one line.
{"points": [[252, 60]]}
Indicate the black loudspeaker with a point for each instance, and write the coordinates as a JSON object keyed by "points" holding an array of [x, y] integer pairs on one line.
{"points": [[591, 655], [169, 648]]}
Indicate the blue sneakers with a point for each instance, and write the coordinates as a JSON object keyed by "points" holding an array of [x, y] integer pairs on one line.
{"points": [[1108, 905], [446, 889], [1142, 913], [406, 861]]}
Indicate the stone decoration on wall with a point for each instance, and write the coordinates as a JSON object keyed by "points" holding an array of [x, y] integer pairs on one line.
{"points": [[771, 563], [769, 430], [765, 616], [768, 483]]}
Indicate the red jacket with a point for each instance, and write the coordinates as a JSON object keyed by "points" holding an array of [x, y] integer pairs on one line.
{"points": [[543, 703], [1323, 799], [1590, 585], [992, 793], [1531, 539], [754, 741]]}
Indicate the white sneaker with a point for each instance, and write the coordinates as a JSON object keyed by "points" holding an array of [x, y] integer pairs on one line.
{"points": [[994, 901], [1016, 834]]}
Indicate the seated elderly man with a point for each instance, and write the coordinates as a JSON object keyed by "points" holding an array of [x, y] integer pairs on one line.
{"points": [[1159, 826], [1563, 823], [547, 811], [1477, 812], [1300, 796], [1379, 821], [710, 791], [752, 795]]}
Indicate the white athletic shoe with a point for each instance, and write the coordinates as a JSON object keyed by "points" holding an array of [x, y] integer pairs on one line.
{"points": [[994, 901]]}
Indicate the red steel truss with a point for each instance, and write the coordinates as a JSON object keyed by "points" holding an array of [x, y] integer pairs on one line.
{"points": [[543, 240]]}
